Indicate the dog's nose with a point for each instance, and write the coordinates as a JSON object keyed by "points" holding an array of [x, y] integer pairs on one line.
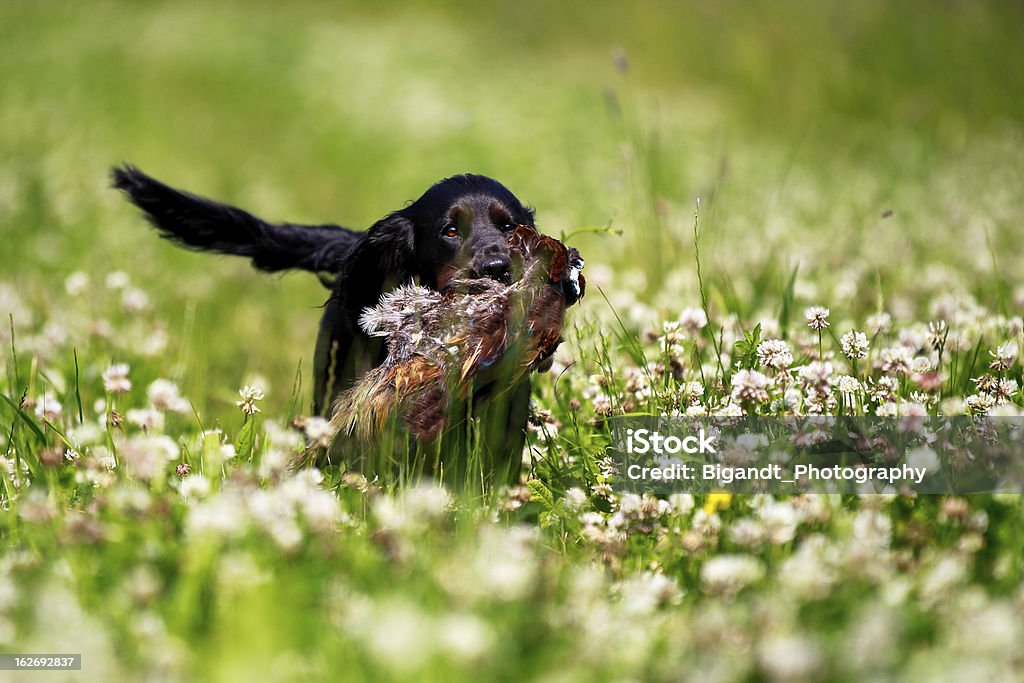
{"points": [[497, 268]]}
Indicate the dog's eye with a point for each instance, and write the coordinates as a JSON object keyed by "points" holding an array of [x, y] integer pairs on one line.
{"points": [[450, 230]]}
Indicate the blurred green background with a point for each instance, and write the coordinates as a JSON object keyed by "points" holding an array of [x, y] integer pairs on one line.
{"points": [[801, 125]]}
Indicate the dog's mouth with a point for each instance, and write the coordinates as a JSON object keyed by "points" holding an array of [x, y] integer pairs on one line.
{"points": [[466, 276], [504, 277]]}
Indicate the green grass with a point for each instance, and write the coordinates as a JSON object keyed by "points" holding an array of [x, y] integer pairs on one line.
{"points": [[866, 158]]}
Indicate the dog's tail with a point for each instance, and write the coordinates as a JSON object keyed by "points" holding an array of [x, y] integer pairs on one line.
{"points": [[203, 224]]}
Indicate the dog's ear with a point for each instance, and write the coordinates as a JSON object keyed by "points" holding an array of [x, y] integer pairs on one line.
{"points": [[384, 258]]}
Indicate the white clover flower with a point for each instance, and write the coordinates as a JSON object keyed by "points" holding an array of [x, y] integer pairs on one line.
{"points": [[300, 485], [916, 338], [76, 283], [134, 300], [503, 566], [630, 504], [730, 410], [1002, 357], [817, 317], [249, 396], [979, 404], [879, 323], [921, 365], [194, 486], [816, 372], [390, 515], [872, 528], [575, 499], [274, 463], [750, 385], [35, 507], [792, 399], [149, 419], [884, 388], [413, 508], [923, 457], [48, 407], [117, 280], [848, 385], [643, 593], [154, 343], [143, 583], [602, 405], [706, 523], [465, 637], [88, 433], [310, 477], [693, 390], [789, 658], [693, 319], [669, 327], [286, 439], [729, 574], [746, 533], [115, 379], [318, 430], [544, 430], [805, 572], [164, 394], [855, 345], [774, 353], [887, 409], [594, 519], [274, 513], [682, 503], [751, 442], [937, 332], [896, 359], [397, 634], [146, 456], [427, 501], [939, 583], [320, 509], [780, 520], [991, 631], [607, 467], [912, 409], [986, 384], [1005, 389]]}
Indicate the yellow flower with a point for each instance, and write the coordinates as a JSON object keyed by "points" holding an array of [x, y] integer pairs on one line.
{"points": [[717, 501]]}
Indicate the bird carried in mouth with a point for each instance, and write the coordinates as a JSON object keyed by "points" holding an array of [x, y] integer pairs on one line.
{"points": [[467, 344]]}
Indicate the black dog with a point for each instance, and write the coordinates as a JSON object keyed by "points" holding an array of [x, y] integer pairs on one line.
{"points": [[457, 229]]}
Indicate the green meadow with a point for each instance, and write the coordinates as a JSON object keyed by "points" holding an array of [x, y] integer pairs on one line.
{"points": [[789, 208]]}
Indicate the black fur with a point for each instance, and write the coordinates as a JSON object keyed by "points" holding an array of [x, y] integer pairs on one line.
{"points": [[456, 229], [198, 223]]}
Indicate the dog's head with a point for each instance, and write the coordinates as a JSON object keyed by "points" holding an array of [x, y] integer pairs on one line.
{"points": [[458, 229], [461, 227]]}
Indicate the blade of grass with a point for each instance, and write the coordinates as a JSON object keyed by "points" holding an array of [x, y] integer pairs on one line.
{"points": [[25, 417], [787, 303], [626, 337], [703, 293], [78, 393]]}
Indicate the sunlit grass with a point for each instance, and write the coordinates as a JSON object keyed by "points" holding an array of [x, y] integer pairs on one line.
{"points": [[862, 159]]}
